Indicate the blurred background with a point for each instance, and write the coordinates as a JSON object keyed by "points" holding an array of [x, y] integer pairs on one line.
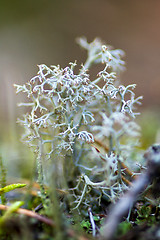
{"points": [[44, 31]]}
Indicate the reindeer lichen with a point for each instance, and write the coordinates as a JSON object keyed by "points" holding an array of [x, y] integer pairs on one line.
{"points": [[68, 114]]}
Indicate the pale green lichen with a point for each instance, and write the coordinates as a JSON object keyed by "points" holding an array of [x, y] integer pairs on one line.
{"points": [[67, 110]]}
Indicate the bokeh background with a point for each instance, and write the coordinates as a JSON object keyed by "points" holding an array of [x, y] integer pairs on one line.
{"points": [[44, 31]]}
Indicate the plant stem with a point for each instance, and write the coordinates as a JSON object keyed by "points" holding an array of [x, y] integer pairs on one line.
{"points": [[40, 171], [2, 180]]}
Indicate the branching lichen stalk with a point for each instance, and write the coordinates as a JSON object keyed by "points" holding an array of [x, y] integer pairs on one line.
{"points": [[67, 111]]}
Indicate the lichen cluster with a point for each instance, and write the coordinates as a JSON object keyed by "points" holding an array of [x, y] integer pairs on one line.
{"points": [[69, 116]]}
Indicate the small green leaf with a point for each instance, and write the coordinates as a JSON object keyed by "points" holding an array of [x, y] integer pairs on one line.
{"points": [[85, 224], [11, 187], [123, 228], [96, 218], [13, 208]]}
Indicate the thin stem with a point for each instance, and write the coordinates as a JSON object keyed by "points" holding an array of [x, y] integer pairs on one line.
{"points": [[87, 63], [90, 60], [110, 144], [82, 196], [40, 171], [111, 136], [2, 180], [109, 104], [119, 169]]}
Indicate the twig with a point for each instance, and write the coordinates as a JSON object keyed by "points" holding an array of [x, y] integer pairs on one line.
{"points": [[30, 214], [124, 179], [128, 171], [101, 144], [123, 206]]}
